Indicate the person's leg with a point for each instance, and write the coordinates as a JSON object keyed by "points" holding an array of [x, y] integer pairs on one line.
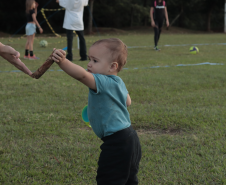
{"points": [[156, 33], [31, 44], [29, 40], [133, 180], [82, 45], [26, 48], [26, 56], [156, 36], [160, 23], [69, 44], [115, 159]]}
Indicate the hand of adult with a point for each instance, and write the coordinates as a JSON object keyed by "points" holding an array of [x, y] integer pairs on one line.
{"points": [[57, 1], [153, 24], [12, 56], [167, 23], [41, 30]]}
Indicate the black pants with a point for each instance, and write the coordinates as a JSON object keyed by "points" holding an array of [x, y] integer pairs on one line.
{"points": [[119, 159], [157, 29], [82, 45]]}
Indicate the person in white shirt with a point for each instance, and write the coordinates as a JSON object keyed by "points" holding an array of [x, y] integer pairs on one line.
{"points": [[73, 20]]}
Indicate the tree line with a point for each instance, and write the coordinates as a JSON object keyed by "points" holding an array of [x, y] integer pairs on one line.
{"points": [[205, 15]]}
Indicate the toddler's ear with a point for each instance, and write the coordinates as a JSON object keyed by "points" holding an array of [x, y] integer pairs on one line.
{"points": [[114, 66]]}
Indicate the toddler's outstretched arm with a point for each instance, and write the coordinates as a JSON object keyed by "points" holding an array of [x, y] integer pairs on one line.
{"points": [[75, 71]]}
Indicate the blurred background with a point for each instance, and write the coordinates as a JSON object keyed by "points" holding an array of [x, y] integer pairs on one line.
{"points": [[203, 15]]}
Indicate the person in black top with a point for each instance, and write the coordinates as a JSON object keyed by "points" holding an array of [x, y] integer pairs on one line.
{"points": [[158, 13], [31, 12]]}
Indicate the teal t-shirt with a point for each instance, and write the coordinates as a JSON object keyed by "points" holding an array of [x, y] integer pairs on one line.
{"points": [[107, 110]]}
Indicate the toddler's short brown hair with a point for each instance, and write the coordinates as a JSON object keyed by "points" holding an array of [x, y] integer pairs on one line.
{"points": [[118, 50]]}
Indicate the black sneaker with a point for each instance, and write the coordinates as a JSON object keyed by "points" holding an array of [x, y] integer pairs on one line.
{"points": [[157, 49]]}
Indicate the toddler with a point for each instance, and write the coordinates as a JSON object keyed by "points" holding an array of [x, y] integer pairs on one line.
{"points": [[107, 110]]}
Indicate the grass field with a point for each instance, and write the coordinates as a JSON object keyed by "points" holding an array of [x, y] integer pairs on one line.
{"points": [[179, 113]]}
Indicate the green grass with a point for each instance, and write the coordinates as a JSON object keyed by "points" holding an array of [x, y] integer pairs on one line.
{"points": [[179, 113]]}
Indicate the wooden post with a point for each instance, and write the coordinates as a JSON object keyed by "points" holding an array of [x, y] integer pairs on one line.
{"points": [[225, 17], [90, 25]]}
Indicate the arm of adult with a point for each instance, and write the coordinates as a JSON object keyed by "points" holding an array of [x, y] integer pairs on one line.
{"points": [[12, 56], [75, 71], [167, 18], [36, 8], [151, 15], [36, 22], [128, 101], [85, 2], [62, 3]]}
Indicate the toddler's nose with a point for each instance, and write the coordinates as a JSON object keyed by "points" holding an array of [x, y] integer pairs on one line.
{"points": [[89, 64]]}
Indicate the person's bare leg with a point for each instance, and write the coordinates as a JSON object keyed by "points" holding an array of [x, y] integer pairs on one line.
{"points": [[27, 48], [30, 38], [27, 44], [33, 38]]}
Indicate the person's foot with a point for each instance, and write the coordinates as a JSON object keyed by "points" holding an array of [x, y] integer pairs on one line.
{"points": [[33, 58], [156, 48], [81, 59], [26, 57]]}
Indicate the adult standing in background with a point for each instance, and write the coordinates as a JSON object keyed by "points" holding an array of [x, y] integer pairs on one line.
{"points": [[158, 13], [73, 21]]}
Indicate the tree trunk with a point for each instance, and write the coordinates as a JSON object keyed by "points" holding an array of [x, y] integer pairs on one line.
{"points": [[131, 18], [181, 18], [209, 14], [146, 18], [209, 21], [90, 25]]}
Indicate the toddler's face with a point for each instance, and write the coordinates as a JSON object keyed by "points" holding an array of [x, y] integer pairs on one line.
{"points": [[99, 59]]}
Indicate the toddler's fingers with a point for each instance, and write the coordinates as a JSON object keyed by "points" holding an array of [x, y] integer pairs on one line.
{"points": [[55, 60], [58, 52], [57, 56], [63, 52]]}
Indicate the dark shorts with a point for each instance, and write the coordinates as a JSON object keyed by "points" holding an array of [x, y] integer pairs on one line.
{"points": [[119, 159]]}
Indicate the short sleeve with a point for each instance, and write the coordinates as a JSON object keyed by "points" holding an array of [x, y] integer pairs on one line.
{"points": [[62, 3], [152, 4], [102, 82], [85, 2], [165, 4], [32, 11]]}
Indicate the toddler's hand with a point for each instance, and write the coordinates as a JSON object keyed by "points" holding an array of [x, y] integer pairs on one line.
{"points": [[59, 55]]}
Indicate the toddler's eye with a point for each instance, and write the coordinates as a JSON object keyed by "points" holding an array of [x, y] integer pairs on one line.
{"points": [[95, 61]]}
